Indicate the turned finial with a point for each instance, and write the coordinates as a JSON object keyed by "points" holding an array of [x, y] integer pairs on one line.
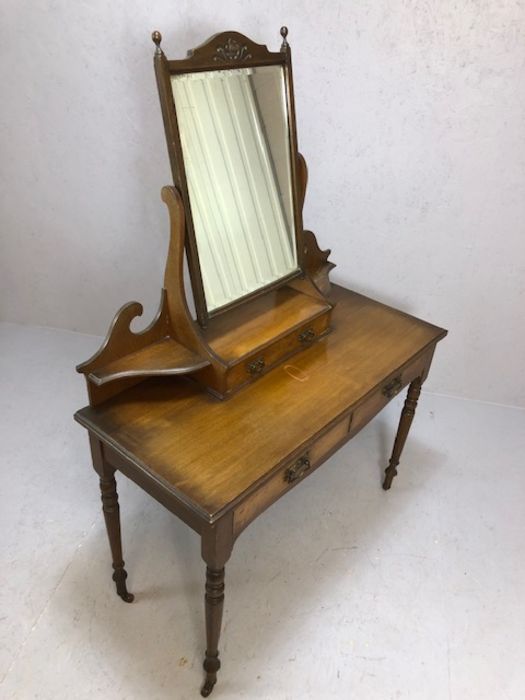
{"points": [[284, 33], [156, 37]]}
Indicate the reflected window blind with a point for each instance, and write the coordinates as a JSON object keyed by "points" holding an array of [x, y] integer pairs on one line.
{"points": [[238, 216]]}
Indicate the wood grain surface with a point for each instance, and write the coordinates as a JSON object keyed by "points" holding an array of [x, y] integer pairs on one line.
{"points": [[211, 452]]}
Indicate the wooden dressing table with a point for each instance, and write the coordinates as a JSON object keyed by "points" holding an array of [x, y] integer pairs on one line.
{"points": [[219, 417]]}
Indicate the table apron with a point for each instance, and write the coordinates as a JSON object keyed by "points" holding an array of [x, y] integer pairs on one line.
{"points": [[316, 451]]}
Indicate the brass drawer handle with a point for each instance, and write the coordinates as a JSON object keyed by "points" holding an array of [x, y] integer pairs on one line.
{"points": [[307, 336], [392, 388], [297, 470], [256, 367]]}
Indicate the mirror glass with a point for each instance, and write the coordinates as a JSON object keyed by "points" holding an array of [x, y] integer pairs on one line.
{"points": [[233, 125]]}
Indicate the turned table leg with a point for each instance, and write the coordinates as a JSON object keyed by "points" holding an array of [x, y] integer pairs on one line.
{"points": [[407, 414], [214, 604], [110, 507], [217, 544]]}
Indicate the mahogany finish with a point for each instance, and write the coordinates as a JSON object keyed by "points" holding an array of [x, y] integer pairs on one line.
{"points": [[211, 453], [304, 367], [407, 414], [265, 329], [214, 603], [218, 465], [111, 510], [228, 49], [236, 344]]}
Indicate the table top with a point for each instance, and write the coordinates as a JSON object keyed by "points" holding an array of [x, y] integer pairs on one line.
{"points": [[210, 452]]}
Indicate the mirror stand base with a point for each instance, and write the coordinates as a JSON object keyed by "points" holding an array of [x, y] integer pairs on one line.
{"points": [[236, 348]]}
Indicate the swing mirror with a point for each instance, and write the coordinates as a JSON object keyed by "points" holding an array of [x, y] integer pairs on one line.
{"points": [[230, 126]]}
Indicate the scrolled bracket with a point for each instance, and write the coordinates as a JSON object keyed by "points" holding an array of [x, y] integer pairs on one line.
{"points": [[316, 263], [120, 339], [315, 260]]}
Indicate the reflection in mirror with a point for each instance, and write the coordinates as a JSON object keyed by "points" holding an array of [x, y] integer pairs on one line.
{"points": [[235, 141]]}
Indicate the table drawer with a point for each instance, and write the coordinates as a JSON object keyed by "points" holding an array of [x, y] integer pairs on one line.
{"points": [[389, 388], [291, 474], [253, 366]]}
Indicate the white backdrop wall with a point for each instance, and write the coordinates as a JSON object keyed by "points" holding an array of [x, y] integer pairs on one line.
{"points": [[411, 116]]}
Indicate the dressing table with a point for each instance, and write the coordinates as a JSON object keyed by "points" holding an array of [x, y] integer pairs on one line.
{"points": [[218, 416]]}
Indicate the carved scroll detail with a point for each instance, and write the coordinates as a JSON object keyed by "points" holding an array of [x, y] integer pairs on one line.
{"points": [[120, 339], [316, 263], [231, 50]]}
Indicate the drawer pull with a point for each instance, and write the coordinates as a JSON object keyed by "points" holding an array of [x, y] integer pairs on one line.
{"points": [[392, 388], [298, 470], [256, 367], [307, 336]]}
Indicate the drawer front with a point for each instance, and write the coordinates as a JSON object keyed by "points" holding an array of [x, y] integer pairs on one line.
{"points": [[253, 366], [390, 388], [290, 475]]}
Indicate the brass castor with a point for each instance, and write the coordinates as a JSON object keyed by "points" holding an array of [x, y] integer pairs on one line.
{"points": [[120, 576], [206, 689], [390, 473]]}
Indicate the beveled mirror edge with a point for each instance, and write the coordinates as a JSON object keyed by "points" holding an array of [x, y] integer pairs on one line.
{"points": [[235, 50]]}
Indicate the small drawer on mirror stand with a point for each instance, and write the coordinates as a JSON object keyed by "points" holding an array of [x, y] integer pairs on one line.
{"points": [[253, 366], [307, 336], [256, 366]]}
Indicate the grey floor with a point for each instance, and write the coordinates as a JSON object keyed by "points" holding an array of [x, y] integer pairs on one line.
{"points": [[414, 594]]}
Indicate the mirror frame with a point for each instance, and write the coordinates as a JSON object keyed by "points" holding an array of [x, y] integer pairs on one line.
{"points": [[228, 49]]}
